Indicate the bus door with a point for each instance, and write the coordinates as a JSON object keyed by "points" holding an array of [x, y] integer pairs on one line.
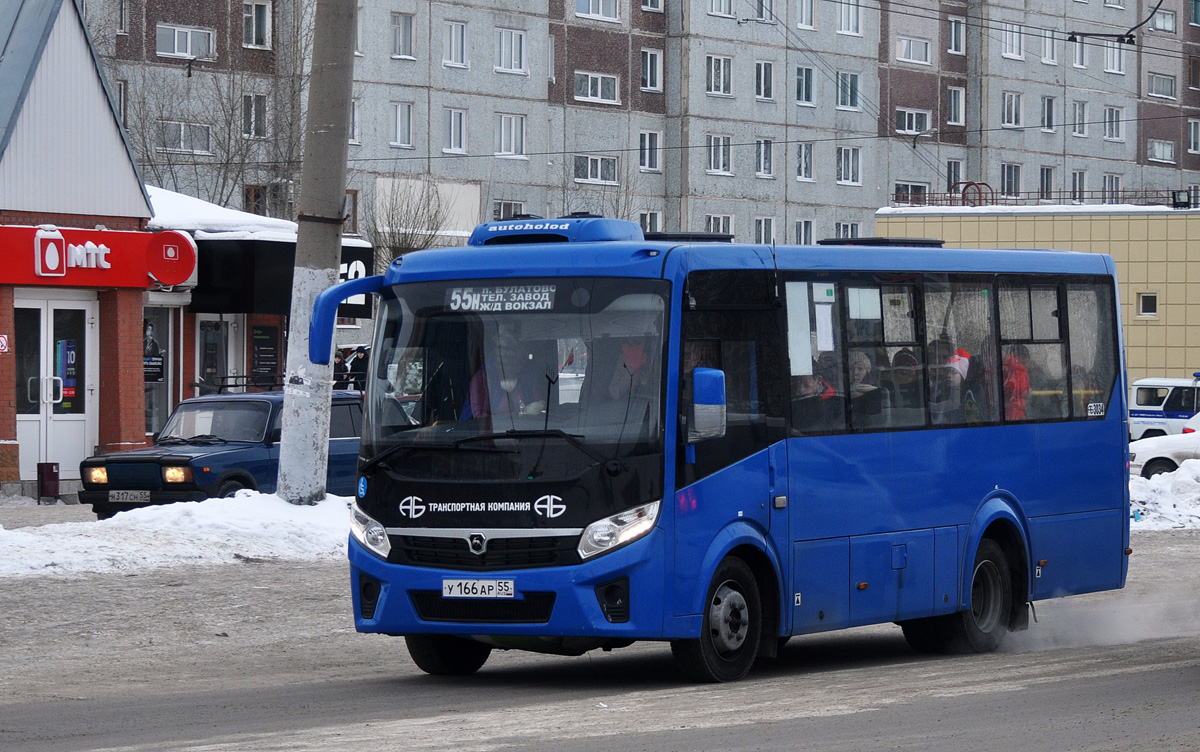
{"points": [[742, 476]]}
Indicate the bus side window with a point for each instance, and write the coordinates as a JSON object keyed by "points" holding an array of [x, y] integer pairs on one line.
{"points": [[1033, 352], [1092, 332], [886, 381], [961, 337], [814, 337]]}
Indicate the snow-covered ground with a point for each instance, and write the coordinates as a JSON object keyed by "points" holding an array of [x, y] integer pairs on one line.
{"points": [[254, 525]]}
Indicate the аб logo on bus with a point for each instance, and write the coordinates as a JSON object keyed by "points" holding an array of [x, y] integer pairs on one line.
{"points": [[549, 506], [412, 507]]}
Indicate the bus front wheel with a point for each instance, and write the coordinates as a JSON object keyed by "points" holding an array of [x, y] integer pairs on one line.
{"points": [[981, 628], [446, 655], [730, 631]]}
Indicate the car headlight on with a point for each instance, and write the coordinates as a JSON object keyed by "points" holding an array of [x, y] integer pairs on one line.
{"points": [[177, 474], [613, 532], [96, 474], [369, 533]]}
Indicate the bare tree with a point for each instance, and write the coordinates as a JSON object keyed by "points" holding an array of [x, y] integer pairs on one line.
{"points": [[406, 213]]}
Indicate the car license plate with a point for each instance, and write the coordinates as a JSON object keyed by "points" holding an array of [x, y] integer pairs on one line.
{"points": [[478, 589], [129, 495]]}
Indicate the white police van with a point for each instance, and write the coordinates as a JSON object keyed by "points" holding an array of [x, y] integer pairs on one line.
{"points": [[1160, 406]]}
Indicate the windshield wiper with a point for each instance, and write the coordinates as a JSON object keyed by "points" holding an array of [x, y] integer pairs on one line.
{"points": [[171, 440], [573, 439], [392, 451], [206, 438]]}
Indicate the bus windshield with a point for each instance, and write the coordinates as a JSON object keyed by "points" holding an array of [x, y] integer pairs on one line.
{"points": [[525, 377]]}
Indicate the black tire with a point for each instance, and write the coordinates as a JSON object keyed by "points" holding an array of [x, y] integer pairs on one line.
{"points": [[730, 631], [1152, 433], [982, 627], [230, 488], [926, 636], [446, 655], [1158, 467], [103, 513]]}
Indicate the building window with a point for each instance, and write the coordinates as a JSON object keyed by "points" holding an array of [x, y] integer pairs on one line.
{"points": [[849, 165], [956, 36], [1194, 72], [804, 85], [764, 164], [845, 229], [256, 25], [1011, 42], [1011, 112], [254, 115], [764, 10], [191, 138], [1049, 48], [654, 6], [1079, 50], [454, 52], [849, 17], [1113, 121], [649, 146], [804, 231], [1158, 85], [1078, 186], [652, 70], [510, 51], [354, 122], [912, 194], [764, 80], [847, 89], [1194, 137], [510, 135], [402, 35], [1111, 189], [764, 230], [1048, 117], [550, 72], [911, 50], [595, 87], [720, 8], [1010, 180], [182, 41], [955, 96], [953, 174], [402, 124], [1163, 20], [651, 221], [1147, 304], [502, 209], [1046, 183], [721, 224], [912, 121], [1114, 56], [122, 16], [1160, 150], [718, 75], [119, 95], [594, 169], [804, 161], [804, 14], [254, 199], [1079, 121], [603, 9], [719, 154], [454, 133]]}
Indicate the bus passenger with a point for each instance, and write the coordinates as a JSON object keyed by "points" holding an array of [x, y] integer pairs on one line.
{"points": [[816, 405], [1016, 385], [946, 402]]}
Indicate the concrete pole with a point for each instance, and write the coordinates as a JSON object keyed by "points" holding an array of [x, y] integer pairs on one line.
{"points": [[308, 388]]}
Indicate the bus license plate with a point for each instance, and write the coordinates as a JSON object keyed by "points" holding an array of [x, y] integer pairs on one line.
{"points": [[128, 495], [478, 589]]}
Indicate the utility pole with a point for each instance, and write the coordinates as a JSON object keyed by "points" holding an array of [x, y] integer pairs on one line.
{"points": [[308, 388]]}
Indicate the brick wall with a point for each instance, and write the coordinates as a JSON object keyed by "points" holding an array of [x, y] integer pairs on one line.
{"points": [[9, 451], [81, 221], [122, 395]]}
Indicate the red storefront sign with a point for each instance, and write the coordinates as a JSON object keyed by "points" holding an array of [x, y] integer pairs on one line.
{"points": [[48, 255]]}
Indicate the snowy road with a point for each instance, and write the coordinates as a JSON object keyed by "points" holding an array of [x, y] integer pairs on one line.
{"points": [[261, 655]]}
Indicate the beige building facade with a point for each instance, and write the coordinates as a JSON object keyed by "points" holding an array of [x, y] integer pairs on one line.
{"points": [[1158, 271]]}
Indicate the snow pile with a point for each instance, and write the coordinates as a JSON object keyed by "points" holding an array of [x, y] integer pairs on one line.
{"points": [[1167, 501], [215, 531]]}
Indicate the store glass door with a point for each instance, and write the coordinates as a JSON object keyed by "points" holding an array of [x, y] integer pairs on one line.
{"points": [[56, 376]]}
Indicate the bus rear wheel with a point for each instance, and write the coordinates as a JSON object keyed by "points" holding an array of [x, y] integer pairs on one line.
{"points": [[982, 627], [447, 655], [730, 631]]}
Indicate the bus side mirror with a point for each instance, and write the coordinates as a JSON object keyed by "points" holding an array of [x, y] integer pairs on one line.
{"points": [[708, 405]]}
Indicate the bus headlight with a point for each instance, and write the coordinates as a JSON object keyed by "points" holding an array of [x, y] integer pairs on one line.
{"points": [[369, 533], [96, 474], [613, 532]]}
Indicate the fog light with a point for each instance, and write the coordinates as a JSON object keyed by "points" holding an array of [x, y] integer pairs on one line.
{"points": [[614, 600]]}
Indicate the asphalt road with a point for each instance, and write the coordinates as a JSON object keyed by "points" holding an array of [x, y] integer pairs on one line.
{"points": [[263, 656]]}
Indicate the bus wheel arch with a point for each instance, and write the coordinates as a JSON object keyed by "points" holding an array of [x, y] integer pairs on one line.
{"points": [[731, 627]]}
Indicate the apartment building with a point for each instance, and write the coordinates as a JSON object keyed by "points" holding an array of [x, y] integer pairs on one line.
{"points": [[771, 120]]}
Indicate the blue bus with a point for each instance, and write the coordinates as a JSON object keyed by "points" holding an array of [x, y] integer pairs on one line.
{"points": [[577, 436]]}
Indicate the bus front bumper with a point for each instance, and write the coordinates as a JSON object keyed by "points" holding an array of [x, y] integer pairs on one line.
{"points": [[568, 601]]}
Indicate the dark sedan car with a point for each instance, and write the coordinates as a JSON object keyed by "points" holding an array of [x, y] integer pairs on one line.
{"points": [[215, 446]]}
